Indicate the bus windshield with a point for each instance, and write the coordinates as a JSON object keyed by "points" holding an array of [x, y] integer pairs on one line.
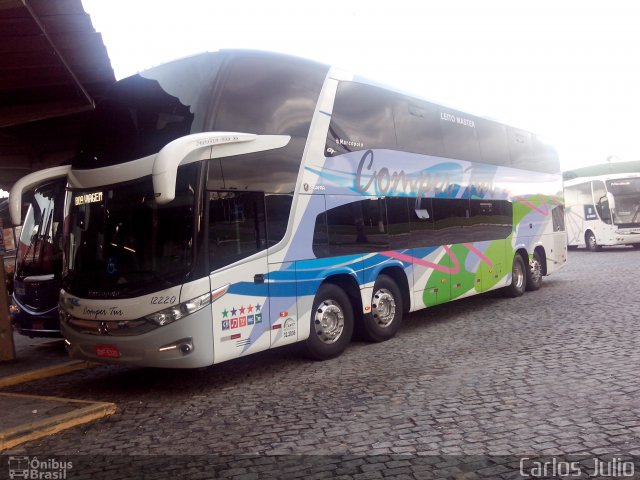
{"points": [[121, 243], [144, 112], [626, 193], [40, 247]]}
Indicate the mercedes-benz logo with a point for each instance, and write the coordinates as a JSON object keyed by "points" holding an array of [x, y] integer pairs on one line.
{"points": [[103, 328]]}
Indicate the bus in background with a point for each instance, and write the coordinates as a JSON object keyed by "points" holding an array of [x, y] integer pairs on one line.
{"points": [[38, 264], [236, 201], [603, 210], [8, 242]]}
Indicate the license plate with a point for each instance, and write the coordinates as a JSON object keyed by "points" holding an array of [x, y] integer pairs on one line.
{"points": [[37, 325], [107, 351]]}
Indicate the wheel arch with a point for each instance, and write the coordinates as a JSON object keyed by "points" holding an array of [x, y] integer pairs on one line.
{"points": [[543, 257], [350, 286], [398, 275]]}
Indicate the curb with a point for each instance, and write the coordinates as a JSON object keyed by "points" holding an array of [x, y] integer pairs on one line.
{"points": [[45, 372], [88, 412]]}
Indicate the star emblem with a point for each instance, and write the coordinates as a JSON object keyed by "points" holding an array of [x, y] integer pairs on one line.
{"points": [[225, 313], [234, 311]]}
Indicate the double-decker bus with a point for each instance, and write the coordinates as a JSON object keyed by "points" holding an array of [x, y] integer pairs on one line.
{"points": [[38, 263], [603, 210], [236, 201]]}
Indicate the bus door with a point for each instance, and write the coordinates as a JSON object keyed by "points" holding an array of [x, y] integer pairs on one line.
{"points": [[238, 257]]}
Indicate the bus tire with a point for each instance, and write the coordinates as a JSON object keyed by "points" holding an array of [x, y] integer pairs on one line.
{"points": [[590, 242], [331, 323], [534, 272], [386, 311], [518, 278]]}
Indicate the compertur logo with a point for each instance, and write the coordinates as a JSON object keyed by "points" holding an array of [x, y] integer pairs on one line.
{"points": [[36, 469]]}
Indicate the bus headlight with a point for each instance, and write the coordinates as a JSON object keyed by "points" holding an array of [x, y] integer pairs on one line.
{"points": [[171, 314], [14, 309]]}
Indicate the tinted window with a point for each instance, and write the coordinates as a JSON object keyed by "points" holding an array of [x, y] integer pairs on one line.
{"points": [[40, 246], [451, 220], [142, 113], [272, 171], [119, 239], [492, 139], [398, 222], [357, 227], [362, 119], [278, 208], [423, 230], [321, 237], [491, 219], [236, 226], [557, 215], [520, 148], [418, 127], [270, 94], [459, 135]]}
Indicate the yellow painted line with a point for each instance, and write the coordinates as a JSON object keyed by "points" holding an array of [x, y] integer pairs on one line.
{"points": [[88, 412], [45, 372]]}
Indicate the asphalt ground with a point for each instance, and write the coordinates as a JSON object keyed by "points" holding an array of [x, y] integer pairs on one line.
{"points": [[486, 387]]}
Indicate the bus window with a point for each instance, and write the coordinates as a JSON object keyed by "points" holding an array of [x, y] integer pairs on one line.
{"points": [[278, 208], [236, 226], [451, 220], [357, 227], [418, 127], [362, 119], [600, 201], [459, 135], [492, 139], [398, 221], [422, 227], [491, 219]]}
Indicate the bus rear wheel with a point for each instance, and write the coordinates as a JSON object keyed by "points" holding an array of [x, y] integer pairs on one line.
{"points": [[331, 323], [518, 278], [386, 311], [590, 242], [534, 272]]}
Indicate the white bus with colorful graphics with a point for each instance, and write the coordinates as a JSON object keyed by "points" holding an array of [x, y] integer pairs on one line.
{"points": [[237, 201], [603, 210]]}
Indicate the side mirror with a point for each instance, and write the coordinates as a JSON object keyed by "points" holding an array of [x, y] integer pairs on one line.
{"points": [[28, 182], [203, 146], [612, 200]]}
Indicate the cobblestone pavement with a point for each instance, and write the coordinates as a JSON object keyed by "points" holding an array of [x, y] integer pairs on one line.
{"points": [[465, 390]]}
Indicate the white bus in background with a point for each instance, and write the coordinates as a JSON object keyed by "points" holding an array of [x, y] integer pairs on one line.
{"points": [[603, 210]]}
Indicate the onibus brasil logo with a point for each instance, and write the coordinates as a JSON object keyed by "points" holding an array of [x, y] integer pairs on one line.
{"points": [[37, 469]]}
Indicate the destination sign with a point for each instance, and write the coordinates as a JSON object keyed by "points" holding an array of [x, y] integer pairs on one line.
{"points": [[88, 198]]}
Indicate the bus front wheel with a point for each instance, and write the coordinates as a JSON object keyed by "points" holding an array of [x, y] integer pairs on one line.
{"points": [[518, 278], [331, 323], [386, 311], [591, 242]]}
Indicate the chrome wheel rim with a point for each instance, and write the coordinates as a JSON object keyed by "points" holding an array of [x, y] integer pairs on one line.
{"points": [[383, 307], [329, 321], [592, 241], [518, 275], [536, 269]]}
